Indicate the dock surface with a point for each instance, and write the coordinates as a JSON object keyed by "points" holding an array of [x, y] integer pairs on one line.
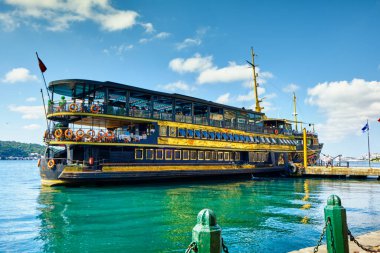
{"points": [[341, 171], [371, 240]]}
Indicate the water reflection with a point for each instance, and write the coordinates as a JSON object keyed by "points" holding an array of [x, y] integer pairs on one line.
{"points": [[254, 215]]}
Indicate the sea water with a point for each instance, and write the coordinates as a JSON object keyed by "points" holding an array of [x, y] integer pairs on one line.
{"points": [[258, 215]]}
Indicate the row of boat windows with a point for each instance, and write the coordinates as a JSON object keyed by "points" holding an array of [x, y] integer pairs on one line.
{"points": [[200, 155], [211, 135]]}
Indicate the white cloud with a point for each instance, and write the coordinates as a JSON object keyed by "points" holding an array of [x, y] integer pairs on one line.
{"points": [[188, 42], [144, 40], [28, 112], [148, 27], [177, 86], [31, 99], [19, 75], [58, 15], [162, 35], [32, 127], [290, 88], [119, 49], [194, 64], [346, 105], [223, 99]]}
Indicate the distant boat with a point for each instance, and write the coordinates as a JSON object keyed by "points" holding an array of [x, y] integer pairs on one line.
{"points": [[108, 132]]}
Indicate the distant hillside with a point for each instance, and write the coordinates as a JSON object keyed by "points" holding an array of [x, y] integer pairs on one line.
{"points": [[18, 149]]}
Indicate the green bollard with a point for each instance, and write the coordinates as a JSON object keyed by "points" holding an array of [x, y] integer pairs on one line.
{"points": [[336, 231], [207, 234]]}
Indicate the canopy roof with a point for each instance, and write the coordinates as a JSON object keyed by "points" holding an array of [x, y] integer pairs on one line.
{"points": [[79, 88]]}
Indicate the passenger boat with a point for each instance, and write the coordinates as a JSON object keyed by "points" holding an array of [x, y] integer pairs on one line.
{"points": [[111, 132]]}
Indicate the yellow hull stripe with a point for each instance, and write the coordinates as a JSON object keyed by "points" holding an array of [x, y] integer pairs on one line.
{"points": [[188, 144], [51, 182]]}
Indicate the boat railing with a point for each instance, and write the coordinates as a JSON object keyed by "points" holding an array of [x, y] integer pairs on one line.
{"points": [[99, 135], [200, 120], [183, 118]]}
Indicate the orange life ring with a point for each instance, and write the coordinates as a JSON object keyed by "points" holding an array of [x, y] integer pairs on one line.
{"points": [[69, 133], [110, 135], [58, 133], [91, 133], [80, 133], [94, 108], [51, 163], [275, 131], [73, 107], [38, 162]]}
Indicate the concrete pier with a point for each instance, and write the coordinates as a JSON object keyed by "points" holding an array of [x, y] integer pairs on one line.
{"points": [[341, 171], [370, 239]]}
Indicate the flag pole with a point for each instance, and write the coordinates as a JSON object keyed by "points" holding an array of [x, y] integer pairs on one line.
{"points": [[43, 77], [369, 151], [43, 101]]}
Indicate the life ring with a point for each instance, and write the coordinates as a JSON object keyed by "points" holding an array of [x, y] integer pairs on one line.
{"points": [[101, 134], [38, 162], [73, 107], [80, 133], [58, 133], [91, 133], [110, 135], [69, 133], [94, 108], [275, 131], [51, 163]]}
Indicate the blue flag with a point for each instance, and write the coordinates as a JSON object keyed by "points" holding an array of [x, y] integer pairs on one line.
{"points": [[365, 128]]}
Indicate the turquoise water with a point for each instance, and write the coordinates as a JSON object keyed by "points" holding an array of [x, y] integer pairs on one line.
{"points": [[262, 215]]}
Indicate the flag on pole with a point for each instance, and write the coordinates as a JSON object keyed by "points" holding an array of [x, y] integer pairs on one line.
{"points": [[41, 65], [365, 128], [378, 120]]}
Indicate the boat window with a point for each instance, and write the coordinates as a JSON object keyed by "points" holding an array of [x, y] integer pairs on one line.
{"points": [[201, 155], [267, 140], [216, 116], [190, 133], [251, 139], [181, 132], [173, 131], [168, 154], [183, 111], [162, 108], [177, 154], [229, 118], [139, 105], [262, 139], [159, 154], [247, 139], [236, 137], [224, 136], [273, 141], [150, 154], [207, 155], [237, 156], [281, 141], [185, 155], [217, 136], [139, 154], [211, 135], [226, 156], [230, 137], [241, 137], [193, 155], [220, 156], [116, 102], [197, 134], [213, 155], [163, 131], [204, 134], [200, 114]]}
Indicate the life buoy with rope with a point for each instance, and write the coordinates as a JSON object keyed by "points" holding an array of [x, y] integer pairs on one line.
{"points": [[79, 133], [110, 135], [94, 108], [101, 134], [69, 133], [276, 131], [91, 133], [73, 107], [58, 133], [51, 163], [38, 162]]}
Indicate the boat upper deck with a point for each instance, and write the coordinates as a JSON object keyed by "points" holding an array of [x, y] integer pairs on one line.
{"points": [[86, 98]]}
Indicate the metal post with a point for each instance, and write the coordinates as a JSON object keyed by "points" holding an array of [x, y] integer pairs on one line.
{"points": [[207, 234], [336, 230], [304, 149]]}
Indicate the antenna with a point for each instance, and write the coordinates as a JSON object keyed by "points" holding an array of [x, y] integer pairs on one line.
{"points": [[255, 84]]}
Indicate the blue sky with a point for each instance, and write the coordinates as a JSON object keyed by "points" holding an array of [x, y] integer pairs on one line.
{"points": [[325, 51]]}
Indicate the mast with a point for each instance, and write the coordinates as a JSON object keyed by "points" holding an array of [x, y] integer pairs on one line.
{"points": [[295, 110], [255, 84]]}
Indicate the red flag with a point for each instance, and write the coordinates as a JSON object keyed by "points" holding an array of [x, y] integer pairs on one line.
{"points": [[378, 120], [41, 64]]}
